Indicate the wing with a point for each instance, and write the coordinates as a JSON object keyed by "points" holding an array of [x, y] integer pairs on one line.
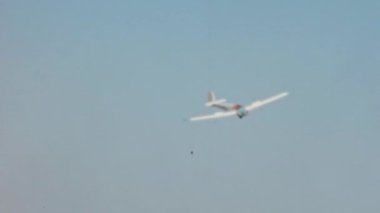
{"points": [[258, 104], [216, 115]]}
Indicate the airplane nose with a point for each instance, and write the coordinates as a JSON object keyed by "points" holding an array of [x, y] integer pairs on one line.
{"points": [[242, 112]]}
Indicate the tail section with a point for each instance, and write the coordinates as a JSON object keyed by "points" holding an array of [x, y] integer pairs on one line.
{"points": [[211, 100]]}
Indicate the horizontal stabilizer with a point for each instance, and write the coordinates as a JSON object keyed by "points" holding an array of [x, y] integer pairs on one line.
{"points": [[212, 103]]}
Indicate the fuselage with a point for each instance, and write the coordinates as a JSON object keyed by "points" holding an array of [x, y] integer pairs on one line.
{"points": [[240, 110]]}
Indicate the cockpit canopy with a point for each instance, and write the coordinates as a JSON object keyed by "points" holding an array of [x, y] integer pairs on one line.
{"points": [[241, 112]]}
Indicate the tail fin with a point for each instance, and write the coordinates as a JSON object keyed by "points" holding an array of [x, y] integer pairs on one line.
{"points": [[211, 100], [211, 97]]}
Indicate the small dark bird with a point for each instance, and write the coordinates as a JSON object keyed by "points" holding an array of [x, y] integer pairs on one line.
{"points": [[191, 152]]}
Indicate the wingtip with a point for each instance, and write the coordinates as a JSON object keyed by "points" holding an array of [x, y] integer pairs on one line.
{"points": [[187, 120], [283, 94]]}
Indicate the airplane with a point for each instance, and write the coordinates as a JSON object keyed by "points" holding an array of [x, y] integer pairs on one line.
{"points": [[234, 109]]}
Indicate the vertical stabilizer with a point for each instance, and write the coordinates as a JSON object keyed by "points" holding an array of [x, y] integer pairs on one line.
{"points": [[211, 97], [211, 100]]}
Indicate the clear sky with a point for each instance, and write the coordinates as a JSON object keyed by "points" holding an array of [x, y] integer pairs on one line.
{"points": [[93, 95]]}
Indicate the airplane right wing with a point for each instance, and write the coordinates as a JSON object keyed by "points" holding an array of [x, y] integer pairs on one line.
{"points": [[216, 115], [258, 104]]}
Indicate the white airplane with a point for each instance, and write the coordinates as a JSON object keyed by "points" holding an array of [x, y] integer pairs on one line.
{"points": [[234, 109]]}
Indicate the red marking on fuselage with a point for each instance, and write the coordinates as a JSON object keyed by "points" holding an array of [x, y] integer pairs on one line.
{"points": [[237, 107]]}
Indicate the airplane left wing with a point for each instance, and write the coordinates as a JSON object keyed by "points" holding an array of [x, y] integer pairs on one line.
{"points": [[258, 104], [216, 115]]}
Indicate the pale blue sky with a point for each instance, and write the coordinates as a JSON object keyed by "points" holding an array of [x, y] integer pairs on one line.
{"points": [[93, 96]]}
